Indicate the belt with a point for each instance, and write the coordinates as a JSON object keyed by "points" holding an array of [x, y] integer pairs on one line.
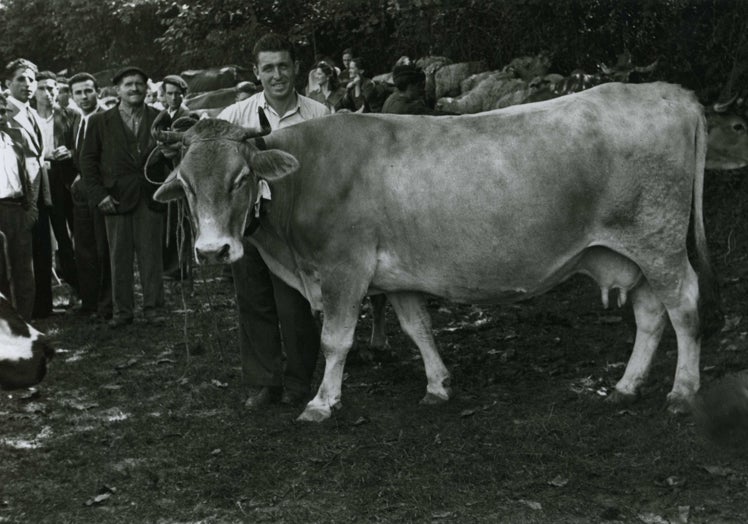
{"points": [[15, 201]]}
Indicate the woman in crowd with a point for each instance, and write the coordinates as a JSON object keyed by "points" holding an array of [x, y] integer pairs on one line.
{"points": [[360, 92], [323, 86]]}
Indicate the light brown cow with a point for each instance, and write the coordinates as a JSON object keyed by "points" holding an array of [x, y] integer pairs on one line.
{"points": [[489, 208]]}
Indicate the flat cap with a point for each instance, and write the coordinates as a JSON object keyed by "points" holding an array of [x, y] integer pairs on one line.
{"points": [[177, 81], [129, 70]]}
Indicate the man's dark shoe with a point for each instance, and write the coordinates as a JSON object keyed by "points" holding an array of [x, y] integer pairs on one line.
{"points": [[294, 398], [118, 322], [262, 396]]}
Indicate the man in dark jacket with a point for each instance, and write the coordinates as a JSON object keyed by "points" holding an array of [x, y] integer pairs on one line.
{"points": [[177, 233], [91, 246], [408, 97], [115, 150]]}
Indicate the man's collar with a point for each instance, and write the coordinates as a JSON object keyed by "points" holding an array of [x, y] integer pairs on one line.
{"points": [[17, 103], [263, 103]]}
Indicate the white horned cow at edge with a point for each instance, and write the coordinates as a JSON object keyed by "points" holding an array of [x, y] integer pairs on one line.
{"points": [[494, 207]]}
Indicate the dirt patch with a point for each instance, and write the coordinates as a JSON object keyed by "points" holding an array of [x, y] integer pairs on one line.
{"points": [[146, 424]]}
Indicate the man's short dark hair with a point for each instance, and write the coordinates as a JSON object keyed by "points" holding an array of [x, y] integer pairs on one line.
{"points": [[82, 77], [19, 63], [347, 51], [46, 75], [272, 42]]}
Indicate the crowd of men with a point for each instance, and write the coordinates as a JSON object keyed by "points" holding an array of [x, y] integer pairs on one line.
{"points": [[85, 172]]}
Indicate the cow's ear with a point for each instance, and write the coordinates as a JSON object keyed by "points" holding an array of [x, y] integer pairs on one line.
{"points": [[171, 189], [273, 164]]}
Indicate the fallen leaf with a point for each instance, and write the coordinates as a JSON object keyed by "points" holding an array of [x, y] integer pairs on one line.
{"points": [[441, 514], [360, 420], [652, 518], [719, 471], [467, 413], [216, 451], [558, 481], [537, 506], [671, 481], [219, 384], [130, 363]]}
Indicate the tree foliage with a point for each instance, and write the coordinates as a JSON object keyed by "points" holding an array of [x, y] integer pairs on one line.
{"points": [[699, 43]]}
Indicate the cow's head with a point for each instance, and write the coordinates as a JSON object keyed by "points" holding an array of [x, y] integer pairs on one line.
{"points": [[219, 174], [728, 135], [23, 352]]}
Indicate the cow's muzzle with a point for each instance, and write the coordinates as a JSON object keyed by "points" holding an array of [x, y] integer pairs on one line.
{"points": [[210, 255]]}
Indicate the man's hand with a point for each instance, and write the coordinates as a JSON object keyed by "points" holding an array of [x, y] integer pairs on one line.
{"points": [[108, 205], [61, 153]]}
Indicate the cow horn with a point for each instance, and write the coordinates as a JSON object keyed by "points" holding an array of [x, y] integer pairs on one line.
{"points": [[721, 107], [264, 122]]}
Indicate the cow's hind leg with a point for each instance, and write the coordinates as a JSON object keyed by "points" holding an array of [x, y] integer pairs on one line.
{"points": [[684, 315], [651, 319], [416, 322]]}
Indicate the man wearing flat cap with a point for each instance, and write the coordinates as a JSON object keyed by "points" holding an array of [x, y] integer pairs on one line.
{"points": [[176, 263], [408, 97], [115, 149]]}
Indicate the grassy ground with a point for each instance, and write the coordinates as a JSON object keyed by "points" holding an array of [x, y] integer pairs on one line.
{"points": [[146, 424]]}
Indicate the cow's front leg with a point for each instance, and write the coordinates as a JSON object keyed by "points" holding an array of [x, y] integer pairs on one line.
{"points": [[338, 328], [416, 322]]}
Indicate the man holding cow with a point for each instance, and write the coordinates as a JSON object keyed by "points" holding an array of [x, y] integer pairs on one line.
{"points": [[263, 299]]}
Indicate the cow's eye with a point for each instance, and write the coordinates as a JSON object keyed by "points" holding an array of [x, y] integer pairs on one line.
{"points": [[739, 127]]}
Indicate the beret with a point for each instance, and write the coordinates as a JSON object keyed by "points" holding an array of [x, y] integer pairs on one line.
{"points": [[130, 70], [177, 81], [407, 73]]}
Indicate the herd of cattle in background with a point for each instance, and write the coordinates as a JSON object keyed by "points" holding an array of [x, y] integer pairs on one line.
{"points": [[469, 88]]}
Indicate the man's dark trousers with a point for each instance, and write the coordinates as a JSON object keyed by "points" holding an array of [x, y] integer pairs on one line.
{"points": [[258, 292], [61, 176]]}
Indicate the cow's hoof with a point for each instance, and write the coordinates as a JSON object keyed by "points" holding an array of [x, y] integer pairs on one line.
{"points": [[679, 405], [314, 414], [431, 399], [621, 399]]}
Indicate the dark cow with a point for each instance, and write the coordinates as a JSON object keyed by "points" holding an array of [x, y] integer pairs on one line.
{"points": [[728, 135], [214, 78], [23, 351], [212, 103], [488, 208]]}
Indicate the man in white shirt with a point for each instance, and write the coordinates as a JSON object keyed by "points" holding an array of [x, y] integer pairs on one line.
{"points": [[56, 125], [17, 212], [264, 300], [21, 82]]}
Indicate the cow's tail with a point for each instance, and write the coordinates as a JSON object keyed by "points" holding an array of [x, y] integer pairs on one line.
{"points": [[711, 316]]}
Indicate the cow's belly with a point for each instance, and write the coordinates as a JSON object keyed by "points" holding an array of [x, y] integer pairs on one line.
{"points": [[462, 280]]}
